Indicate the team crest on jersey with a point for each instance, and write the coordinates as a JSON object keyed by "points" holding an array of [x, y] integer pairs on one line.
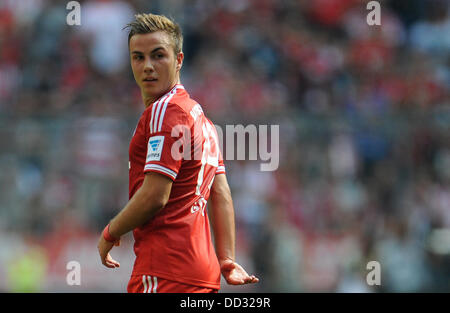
{"points": [[155, 146]]}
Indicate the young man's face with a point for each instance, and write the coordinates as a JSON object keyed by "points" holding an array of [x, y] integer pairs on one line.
{"points": [[154, 63]]}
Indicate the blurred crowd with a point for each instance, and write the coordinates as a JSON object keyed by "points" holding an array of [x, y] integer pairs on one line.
{"points": [[364, 117]]}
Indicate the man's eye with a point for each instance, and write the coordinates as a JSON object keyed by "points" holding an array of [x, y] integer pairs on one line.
{"points": [[138, 57]]}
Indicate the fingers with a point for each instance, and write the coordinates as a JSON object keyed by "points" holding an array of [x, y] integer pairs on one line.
{"points": [[110, 262], [252, 280], [247, 278], [103, 248], [232, 280], [236, 275]]}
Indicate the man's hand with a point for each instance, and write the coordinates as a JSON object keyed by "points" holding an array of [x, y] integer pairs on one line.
{"points": [[234, 274], [103, 248]]}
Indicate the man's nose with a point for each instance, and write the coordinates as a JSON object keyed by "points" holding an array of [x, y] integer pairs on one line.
{"points": [[148, 66]]}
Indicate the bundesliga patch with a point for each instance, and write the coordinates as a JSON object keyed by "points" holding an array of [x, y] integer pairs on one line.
{"points": [[155, 146]]}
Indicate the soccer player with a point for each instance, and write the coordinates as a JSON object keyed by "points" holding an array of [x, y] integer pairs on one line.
{"points": [[175, 165]]}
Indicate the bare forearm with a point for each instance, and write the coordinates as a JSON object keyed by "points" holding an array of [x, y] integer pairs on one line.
{"points": [[222, 221], [137, 212]]}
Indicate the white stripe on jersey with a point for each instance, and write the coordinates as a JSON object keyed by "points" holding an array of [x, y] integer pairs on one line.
{"points": [[162, 169], [153, 113], [155, 284], [150, 281], [158, 114], [155, 119], [161, 117], [144, 281], [163, 111]]}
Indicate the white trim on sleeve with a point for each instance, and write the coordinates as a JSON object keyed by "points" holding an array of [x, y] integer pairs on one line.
{"points": [[162, 169]]}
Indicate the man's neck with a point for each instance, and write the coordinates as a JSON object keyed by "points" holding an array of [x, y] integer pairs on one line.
{"points": [[148, 100]]}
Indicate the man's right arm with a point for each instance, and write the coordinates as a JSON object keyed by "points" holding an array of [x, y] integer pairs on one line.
{"points": [[221, 214]]}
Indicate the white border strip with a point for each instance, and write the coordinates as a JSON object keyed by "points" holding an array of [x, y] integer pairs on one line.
{"points": [[155, 284], [162, 169], [144, 281], [158, 114], [163, 111]]}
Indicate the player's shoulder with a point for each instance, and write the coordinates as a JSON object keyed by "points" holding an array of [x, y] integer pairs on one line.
{"points": [[182, 101], [173, 108], [188, 105]]}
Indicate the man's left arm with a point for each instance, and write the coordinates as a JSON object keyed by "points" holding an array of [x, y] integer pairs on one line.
{"points": [[148, 200], [221, 213]]}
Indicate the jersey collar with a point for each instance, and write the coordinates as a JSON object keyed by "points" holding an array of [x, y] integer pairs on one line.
{"points": [[177, 86]]}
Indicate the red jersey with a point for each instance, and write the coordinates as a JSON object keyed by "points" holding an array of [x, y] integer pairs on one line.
{"points": [[174, 138]]}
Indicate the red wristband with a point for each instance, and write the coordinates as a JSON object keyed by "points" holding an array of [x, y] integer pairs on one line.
{"points": [[107, 235]]}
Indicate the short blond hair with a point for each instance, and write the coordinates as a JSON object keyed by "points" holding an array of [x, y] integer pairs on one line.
{"points": [[149, 23]]}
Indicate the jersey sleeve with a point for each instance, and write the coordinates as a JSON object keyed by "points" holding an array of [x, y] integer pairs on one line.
{"points": [[162, 157]]}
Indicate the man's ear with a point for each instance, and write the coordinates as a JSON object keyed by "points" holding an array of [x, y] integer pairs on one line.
{"points": [[180, 58]]}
